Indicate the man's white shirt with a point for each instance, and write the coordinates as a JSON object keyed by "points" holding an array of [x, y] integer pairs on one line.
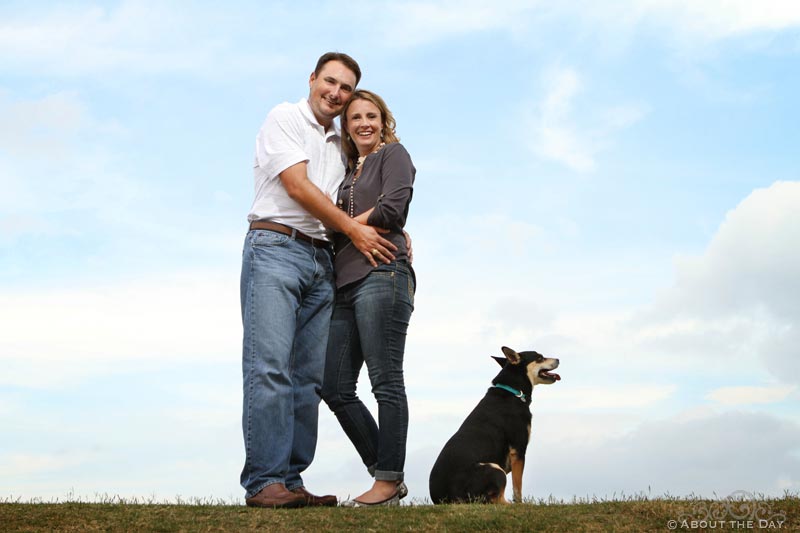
{"points": [[291, 135]]}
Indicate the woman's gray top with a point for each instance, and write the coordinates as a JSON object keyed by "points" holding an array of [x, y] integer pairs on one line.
{"points": [[386, 183]]}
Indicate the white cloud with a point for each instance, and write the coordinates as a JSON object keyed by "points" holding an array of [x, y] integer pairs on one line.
{"points": [[734, 307], [146, 38], [19, 465], [481, 230], [750, 395], [134, 37], [416, 22], [59, 112], [557, 132], [41, 127], [69, 333], [688, 23], [715, 19], [423, 22], [620, 396], [752, 261], [580, 454], [66, 173], [555, 138], [679, 455], [730, 308], [738, 300], [53, 160]]}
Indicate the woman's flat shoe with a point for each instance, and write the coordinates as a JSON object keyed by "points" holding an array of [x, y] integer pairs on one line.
{"points": [[392, 500], [402, 490]]}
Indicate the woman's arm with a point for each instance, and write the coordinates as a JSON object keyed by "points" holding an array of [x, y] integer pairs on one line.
{"points": [[397, 181], [362, 218]]}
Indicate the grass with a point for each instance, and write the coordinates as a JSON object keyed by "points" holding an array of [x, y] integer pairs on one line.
{"points": [[638, 513]]}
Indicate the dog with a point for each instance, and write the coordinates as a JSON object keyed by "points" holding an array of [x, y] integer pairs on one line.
{"points": [[473, 465]]}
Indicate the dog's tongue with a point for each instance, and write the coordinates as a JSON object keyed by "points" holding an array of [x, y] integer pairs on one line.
{"points": [[552, 375]]}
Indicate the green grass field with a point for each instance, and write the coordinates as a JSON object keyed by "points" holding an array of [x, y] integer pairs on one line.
{"points": [[630, 514]]}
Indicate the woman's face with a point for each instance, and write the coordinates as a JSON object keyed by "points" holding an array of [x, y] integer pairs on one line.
{"points": [[364, 125]]}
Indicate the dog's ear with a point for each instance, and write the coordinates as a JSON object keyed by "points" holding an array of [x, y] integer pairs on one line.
{"points": [[500, 361], [512, 356]]}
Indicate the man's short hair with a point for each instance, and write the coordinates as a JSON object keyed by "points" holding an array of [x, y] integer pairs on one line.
{"points": [[345, 59]]}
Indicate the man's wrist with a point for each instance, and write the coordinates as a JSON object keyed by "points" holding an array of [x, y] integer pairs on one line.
{"points": [[351, 227]]}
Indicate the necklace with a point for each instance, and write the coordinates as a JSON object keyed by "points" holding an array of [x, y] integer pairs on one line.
{"points": [[356, 175], [363, 158]]}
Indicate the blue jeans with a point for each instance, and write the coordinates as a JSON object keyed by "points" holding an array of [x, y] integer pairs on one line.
{"points": [[287, 295], [370, 320]]}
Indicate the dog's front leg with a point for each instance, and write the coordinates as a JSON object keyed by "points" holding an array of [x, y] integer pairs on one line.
{"points": [[517, 466]]}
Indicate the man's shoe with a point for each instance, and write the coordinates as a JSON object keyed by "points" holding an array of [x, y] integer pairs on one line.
{"points": [[276, 496], [312, 500]]}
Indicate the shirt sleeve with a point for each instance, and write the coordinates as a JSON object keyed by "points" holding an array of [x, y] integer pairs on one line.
{"points": [[280, 143], [397, 180]]}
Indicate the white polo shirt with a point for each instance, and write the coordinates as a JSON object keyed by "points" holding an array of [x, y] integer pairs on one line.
{"points": [[291, 135]]}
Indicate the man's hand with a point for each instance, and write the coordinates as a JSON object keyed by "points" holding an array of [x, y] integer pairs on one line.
{"points": [[370, 243], [366, 238]]}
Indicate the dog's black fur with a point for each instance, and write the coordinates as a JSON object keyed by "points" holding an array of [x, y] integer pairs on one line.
{"points": [[491, 442]]}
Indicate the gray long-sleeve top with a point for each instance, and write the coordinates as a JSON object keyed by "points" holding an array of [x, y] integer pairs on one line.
{"points": [[386, 183]]}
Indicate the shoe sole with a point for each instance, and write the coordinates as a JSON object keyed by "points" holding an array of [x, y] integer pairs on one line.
{"points": [[391, 502], [326, 504], [287, 505]]}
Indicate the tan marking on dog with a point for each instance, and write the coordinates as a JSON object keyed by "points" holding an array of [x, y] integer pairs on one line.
{"points": [[495, 465], [534, 368], [517, 466], [500, 498]]}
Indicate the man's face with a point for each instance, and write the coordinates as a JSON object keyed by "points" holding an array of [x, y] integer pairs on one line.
{"points": [[329, 91]]}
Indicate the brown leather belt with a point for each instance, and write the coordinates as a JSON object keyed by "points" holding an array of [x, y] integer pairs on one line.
{"points": [[286, 230]]}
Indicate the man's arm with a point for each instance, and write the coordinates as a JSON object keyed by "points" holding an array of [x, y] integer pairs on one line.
{"points": [[365, 238]]}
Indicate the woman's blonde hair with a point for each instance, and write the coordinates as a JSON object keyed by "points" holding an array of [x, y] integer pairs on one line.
{"points": [[388, 135]]}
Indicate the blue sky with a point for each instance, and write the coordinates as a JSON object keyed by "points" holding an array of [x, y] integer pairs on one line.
{"points": [[612, 183]]}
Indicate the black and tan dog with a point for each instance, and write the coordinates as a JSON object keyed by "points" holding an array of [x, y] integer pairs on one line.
{"points": [[491, 442]]}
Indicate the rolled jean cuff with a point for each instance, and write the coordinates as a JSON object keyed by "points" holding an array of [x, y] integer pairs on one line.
{"points": [[388, 475]]}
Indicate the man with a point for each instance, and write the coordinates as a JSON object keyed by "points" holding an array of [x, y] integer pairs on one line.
{"points": [[287, 283]]}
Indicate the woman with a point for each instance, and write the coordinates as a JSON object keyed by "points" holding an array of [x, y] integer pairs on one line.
{"points": [[373, 304]]}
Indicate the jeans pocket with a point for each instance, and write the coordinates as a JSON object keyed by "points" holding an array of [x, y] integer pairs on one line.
{"points": [[266, 238], [404, 270], [411, 290]]}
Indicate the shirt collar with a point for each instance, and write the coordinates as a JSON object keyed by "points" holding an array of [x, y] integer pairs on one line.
{"points": [[305, 109]]}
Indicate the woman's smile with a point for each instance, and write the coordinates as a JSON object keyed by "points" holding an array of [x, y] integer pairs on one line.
{"points": [[364, 124]]}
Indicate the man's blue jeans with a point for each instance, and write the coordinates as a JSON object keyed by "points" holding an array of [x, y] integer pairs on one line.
{"points": [[370, 320], [287, 294]]}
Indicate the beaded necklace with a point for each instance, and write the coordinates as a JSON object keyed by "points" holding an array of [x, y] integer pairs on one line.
{"points": [[356, 175]]}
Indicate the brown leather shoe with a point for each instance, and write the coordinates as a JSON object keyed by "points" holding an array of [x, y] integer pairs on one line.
{"points": [[329, 500], [276, 495]]}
